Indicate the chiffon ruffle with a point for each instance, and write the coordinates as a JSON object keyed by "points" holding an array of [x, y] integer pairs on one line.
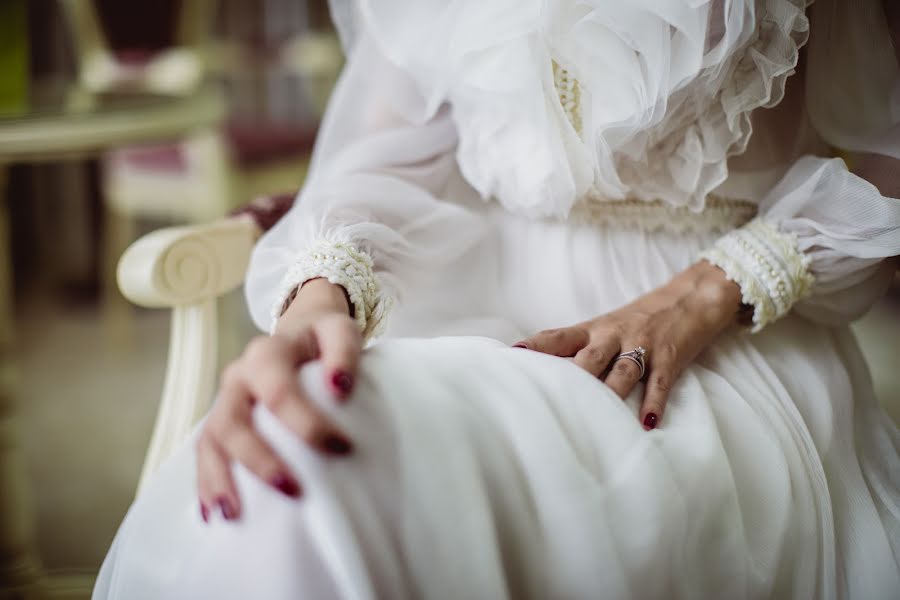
{"points": [[666, 90]]}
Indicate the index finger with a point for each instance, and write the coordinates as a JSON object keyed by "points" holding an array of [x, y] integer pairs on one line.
{"points": [[270, 373], [340, 344]]}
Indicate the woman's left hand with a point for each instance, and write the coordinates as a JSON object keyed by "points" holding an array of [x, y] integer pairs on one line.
{"points": [[674, 323]]}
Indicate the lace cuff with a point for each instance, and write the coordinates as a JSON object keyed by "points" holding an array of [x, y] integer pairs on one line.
{"points": [[765, 262], [343, 265]]}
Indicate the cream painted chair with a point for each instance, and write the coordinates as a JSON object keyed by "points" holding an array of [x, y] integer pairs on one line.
{"points": [[187, 269]]}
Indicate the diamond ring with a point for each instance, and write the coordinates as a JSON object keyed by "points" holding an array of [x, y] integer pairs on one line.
{"points": [[636, 356]]}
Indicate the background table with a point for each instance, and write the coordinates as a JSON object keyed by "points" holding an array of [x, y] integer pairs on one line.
{"points": [[63, 123]]}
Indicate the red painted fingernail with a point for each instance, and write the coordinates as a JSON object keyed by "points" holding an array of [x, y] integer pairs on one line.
{"points": [[520, 345], [286, 485], [650, 421], [227, 510], [342, 382], [204, 513], [337, 445]]}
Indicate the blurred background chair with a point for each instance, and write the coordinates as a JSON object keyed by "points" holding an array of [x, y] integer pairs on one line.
{"points": [[174, 65], [261, 149]]}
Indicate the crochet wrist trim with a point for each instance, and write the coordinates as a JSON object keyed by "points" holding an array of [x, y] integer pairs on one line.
{"points": [[765, 262], [343, 265]]}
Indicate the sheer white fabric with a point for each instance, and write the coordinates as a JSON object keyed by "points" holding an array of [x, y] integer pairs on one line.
{"points": [[489, 472], [372, 150], [666, 103]]}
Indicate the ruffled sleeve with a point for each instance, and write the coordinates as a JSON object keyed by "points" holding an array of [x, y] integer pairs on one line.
{"points": [[370, 216], [819, 243]]}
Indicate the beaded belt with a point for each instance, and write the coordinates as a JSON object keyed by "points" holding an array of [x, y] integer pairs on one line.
{"points": [[718, 215]]}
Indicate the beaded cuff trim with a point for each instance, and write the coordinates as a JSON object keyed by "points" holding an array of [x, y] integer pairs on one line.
{"points": [[718, 215], [765, 262], [341, 264]]}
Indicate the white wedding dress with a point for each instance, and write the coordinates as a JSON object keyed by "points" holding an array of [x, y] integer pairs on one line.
{"points": [[490, 169]]}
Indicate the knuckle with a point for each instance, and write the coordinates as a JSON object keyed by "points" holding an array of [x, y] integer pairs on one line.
{"points": [[257, 348], [278, 392], [218, 429], [623, 367], [556, 335], [662, 381], [595, 354], [668, 351], [617, 328], [231, 374]]}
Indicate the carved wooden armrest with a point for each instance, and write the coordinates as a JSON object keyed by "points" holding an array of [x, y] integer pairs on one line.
{"points": [[187, 269], [184, 265]]}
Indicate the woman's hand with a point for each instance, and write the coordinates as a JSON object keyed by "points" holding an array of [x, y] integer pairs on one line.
{"points": [[315, 325], [673, 323]]}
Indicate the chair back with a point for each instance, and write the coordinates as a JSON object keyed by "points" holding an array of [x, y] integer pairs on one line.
{"points": [[150, 45]]}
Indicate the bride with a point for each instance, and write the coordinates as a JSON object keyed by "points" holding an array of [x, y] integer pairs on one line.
{"points": [[610, 270]]}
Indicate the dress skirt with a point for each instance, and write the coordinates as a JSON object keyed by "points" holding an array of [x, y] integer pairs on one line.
{"points": [[484, 471]]}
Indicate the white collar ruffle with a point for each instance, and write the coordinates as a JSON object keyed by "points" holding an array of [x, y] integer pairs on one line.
{"points": [[666, 89]]}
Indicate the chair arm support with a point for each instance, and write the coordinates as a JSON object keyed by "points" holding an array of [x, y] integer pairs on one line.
{"points": [[182, 265]]}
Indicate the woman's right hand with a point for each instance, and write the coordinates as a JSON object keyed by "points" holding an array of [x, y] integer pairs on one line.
{"points": [[316, 325]]}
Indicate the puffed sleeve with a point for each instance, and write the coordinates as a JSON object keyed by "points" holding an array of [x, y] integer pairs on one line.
{"points": [[370, 216], [819, 242]]}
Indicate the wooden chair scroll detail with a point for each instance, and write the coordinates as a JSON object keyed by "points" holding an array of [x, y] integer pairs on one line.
{"points": [[187, 269]]}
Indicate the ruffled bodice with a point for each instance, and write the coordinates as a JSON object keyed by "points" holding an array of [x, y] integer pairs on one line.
{"points": [[677, 117], [557, 100]]}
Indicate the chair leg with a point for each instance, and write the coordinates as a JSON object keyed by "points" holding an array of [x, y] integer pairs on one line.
{"points": [[190, 380]]}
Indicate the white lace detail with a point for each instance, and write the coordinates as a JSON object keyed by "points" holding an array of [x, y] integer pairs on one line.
{"points": [[765, 262], [719, 215], [341, 264], [569, 91], [685, 156]]}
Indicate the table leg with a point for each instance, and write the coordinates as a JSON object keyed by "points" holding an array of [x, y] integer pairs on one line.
{"points": [[20, 568]]}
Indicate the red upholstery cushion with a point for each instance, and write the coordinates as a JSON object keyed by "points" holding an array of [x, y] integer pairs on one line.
{"points": [[268, 210]]}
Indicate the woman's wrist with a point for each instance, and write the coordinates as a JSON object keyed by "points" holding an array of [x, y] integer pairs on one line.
{"points": [[313, 297], [709, 291]]}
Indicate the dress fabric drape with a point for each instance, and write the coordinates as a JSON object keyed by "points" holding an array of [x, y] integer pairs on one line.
{"points": [[483, 471]]}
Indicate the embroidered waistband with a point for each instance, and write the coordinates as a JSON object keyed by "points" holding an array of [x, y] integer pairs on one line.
{"points": [[719, 215]]}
